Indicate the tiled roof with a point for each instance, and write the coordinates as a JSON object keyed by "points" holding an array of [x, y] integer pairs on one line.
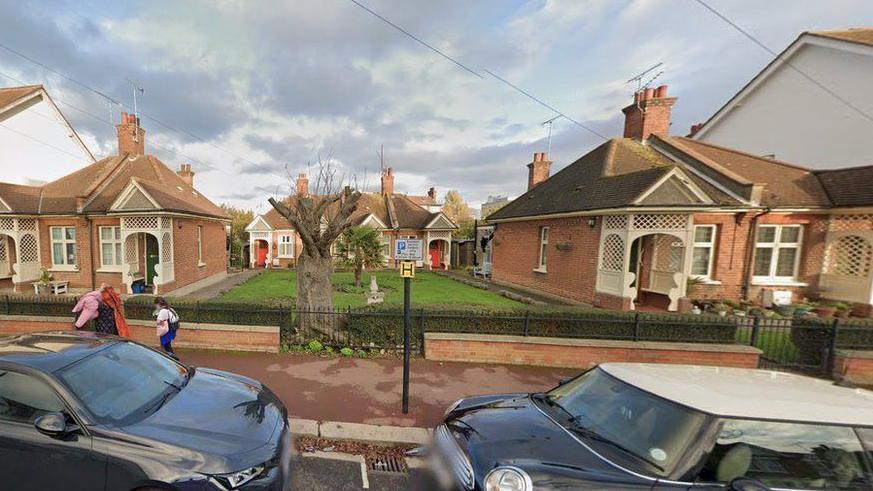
{"points": [[612, 175], [101, 183], [785, 184], [11, 94], [849, 187], [22, 199], [860, 35]]}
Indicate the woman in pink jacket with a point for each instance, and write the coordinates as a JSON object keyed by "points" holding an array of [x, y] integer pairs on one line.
{"points": [[87, 307]]}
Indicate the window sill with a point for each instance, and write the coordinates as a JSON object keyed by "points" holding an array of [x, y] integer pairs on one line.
{"points": [[707, 281], [200, 265], [64, 269], [540, 270], [777, 282], [108, 270]]}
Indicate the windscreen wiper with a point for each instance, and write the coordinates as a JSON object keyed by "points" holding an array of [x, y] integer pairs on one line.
{"points": [[593, 435], [160, 402]]}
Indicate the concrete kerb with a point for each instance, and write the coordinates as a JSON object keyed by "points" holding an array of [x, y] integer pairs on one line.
{"points": [[360, 432]]}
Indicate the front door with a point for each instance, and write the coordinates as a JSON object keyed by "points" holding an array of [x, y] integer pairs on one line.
{"points": [[434, 254], [32, 461], [152, 258], [262, 254]]}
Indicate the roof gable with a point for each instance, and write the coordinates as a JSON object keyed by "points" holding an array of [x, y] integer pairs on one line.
{"points": [[674, 189], [134, 197], [440, 221], [373, 221], [259, 224]]}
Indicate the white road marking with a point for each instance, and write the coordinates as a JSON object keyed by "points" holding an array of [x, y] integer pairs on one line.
{"points": [[364, 479]]}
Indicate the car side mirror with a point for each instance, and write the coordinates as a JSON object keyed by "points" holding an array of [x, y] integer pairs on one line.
{"points": [[52, 424], [747, 484]]}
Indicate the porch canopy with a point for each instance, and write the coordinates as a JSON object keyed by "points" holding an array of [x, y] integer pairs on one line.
{"points": [[645, 251]]}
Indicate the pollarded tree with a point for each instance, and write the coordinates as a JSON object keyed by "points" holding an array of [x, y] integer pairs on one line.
{"points": [[319, 215], [360, 247]]}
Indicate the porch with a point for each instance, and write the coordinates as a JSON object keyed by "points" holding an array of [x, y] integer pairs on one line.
{"points": [[645, 257], [19, 252], [439, 249], [148, 252], [847, 275]]}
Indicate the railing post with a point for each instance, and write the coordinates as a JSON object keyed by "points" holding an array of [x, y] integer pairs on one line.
{"points": [[348, 325], [756, 331], [527, 323], [636, 326], [831, 354], [421, 331], [6, 304]]}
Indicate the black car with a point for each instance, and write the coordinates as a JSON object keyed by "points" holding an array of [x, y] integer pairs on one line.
{"points": [[85, 411], [662, 427]]}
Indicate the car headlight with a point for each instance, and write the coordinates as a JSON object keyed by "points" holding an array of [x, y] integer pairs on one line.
{"points": [[508, 479], [237, 479], [452, 407]]}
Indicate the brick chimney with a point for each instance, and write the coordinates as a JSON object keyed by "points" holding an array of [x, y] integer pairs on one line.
{"points": [[302, 184], [538, 170], [388, 182], [649, 114], [186, 174], [431, 193], [694, 129], [131, 136]]}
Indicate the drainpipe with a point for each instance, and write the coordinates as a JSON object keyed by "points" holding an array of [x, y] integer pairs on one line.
{"points": [[750, 250], [89, 226]]}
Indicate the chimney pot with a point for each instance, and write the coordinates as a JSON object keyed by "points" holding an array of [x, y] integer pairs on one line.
{"points": [[431, 193], [388, 182], [649, 114], [302, 184], [186, 174], [131, 136]]}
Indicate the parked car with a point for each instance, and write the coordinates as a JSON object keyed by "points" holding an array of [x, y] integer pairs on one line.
{"points": [[87, 411], [648, 426]]}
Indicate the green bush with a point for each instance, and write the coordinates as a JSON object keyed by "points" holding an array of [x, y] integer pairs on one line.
{"points": [[314, 346], [347, 351]]}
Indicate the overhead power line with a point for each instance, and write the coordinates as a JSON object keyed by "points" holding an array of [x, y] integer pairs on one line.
{"points": [[794, 67], [42, 142], [417, 39], [544, 104], [102, 94]]}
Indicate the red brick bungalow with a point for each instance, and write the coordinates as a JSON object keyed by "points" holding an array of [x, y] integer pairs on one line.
{"points": [[126, 218], [274, 243], [631, 221]]}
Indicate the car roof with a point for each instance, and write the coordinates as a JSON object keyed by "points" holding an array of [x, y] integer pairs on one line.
{"points": [[49, 351], [750, 393]]}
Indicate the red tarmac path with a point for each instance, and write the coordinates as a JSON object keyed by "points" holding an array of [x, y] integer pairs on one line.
{"points": [[368, 390]]}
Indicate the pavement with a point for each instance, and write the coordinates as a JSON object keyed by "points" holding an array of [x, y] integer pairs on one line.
{"points": [[368, 391]]}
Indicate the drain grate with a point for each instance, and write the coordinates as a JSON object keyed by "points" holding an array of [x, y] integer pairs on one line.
{"points": [[386, 463]]}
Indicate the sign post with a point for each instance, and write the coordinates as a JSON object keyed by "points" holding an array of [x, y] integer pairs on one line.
{"points": [[408, 251]]}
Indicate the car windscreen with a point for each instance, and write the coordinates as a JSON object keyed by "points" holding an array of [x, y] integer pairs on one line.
{"points": [[788, 455], [639, 424], [122, 381]]}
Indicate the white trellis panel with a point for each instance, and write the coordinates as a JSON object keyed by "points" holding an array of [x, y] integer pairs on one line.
{"points": [[851, 223], [849, 255], [22, 237], [159, 227], [612, 255], [658, 222], [5, 267], [615, 222]]}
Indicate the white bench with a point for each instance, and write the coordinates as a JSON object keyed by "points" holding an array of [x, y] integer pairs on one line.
{"points": [[484, 271], [57, 287]]}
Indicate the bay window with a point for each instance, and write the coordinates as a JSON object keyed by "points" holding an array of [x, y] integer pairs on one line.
{"points": [[777, 253], [110, 248], [703, 250], [63, 240]]}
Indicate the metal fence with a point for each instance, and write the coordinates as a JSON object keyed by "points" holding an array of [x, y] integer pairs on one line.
{"points": [[805, 344]]}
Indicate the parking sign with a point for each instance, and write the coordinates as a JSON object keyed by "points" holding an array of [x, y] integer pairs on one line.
{"points": [[408, 250]]}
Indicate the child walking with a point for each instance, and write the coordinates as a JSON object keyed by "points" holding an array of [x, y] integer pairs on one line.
{"points": [[167, 325]]}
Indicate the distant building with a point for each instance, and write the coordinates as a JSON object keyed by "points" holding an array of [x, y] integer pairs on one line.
{"points": [[274, 243], [782, 114]]}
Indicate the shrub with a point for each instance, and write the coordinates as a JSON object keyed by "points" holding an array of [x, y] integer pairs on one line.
{"points": [[314, 346], [347, 351]]}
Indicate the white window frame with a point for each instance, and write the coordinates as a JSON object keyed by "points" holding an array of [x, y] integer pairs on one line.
{"points": [[200, 246], [542, 255], [711, 245], [117, 250], [284, 245], [64, 241], [385, 240], [775, 246]]}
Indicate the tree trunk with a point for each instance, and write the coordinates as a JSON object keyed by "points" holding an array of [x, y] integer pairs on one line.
{"points": [[315, 298], [359, 270]]}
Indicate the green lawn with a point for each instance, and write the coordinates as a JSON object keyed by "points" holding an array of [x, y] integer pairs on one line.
{"points": [[427, 289]]}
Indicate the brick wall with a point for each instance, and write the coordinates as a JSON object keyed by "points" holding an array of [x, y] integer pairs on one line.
{"points": [[581, 353], [185, 253], [854, 366], [191, 335], [570, 274], [87, 243]]}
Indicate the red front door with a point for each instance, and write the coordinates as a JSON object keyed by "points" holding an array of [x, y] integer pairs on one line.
{"points": [[434, 254], [261, 254]]}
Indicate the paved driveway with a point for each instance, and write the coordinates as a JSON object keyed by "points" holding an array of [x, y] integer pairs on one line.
{"points": [[368, 390]]}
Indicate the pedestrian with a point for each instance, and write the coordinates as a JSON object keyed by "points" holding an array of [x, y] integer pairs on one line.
{"points": [[167, 325], [112, 300], [92, 306]]}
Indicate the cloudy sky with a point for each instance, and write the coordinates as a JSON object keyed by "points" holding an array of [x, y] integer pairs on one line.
{"points": [[245, 90]]}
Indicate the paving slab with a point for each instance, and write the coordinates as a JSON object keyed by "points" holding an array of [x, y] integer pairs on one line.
{"points": [[304, 427], [374, 433]]}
